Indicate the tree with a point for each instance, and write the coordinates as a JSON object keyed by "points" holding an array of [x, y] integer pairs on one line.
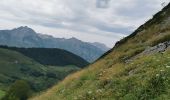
{"points": [[20, 90]]}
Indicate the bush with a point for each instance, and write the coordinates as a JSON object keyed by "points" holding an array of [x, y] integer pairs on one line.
{"points": [[20, 90], [51, 75]]}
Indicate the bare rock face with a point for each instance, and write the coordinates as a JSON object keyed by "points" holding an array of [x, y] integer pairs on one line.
{"points": [[158, 48]]}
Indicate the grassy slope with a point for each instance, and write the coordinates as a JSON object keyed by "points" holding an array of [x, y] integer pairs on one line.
{"points": [[15, 66], [2, 93], [110, 78]]}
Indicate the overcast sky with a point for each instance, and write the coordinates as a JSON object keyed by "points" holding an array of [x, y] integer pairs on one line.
{"points": [[87, 20]]}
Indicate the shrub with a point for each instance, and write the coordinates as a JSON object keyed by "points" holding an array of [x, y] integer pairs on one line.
{"points": [[20, 90], [51, 75]]}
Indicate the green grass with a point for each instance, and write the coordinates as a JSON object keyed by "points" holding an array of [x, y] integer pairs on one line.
{"points": [[2, 93], [145, 78]]}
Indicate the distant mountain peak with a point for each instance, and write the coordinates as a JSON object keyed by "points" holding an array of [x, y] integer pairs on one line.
{"points": [[73, 38], [24, 29], [26, 37], [100, 46]]}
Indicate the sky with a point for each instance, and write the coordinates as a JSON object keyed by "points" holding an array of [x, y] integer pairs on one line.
{"points": [[104, 21]]}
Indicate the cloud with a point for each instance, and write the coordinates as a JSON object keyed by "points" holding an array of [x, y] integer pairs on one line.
{"points": [[79, 18]]}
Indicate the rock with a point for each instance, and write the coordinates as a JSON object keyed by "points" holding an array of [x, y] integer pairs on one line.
{"points": [[158, 48]]}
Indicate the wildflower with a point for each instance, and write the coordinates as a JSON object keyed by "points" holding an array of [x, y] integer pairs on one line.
{"points": [[167, 66], [158, 60], [100, 74], [62, 90], [163, 77], [89, 92], [161, 70], [157, 75], [99, 90]]}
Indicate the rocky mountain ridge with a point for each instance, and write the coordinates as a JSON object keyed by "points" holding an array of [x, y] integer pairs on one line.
{"points": [[28, 38]]}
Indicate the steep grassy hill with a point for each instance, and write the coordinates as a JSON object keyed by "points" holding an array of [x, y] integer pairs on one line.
{"points": [[137, 68], [15, 66], [51, 56]]}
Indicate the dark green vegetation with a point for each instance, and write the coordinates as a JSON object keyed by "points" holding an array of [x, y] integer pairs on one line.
{"points": [[126, 72], [51, 56], [27, 38], [15, 66], [2, 94], [20, 90]]}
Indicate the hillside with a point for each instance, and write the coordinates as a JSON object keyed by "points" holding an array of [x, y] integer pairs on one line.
{"points": [[100, 46], [27, 38], [51, 56], [15, 66], [2, 93], [137, 68]]}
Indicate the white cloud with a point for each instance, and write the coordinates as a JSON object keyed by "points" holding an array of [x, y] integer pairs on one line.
{"points": [[79, 18]]}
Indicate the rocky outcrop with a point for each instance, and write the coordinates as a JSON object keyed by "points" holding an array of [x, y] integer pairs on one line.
{"points": [[160, 48], [156, 49]]}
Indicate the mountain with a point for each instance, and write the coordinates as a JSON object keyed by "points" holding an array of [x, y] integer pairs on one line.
{"points": [[136, 68], [16, 66], [51, 56], [28, 38], [101, 46]]}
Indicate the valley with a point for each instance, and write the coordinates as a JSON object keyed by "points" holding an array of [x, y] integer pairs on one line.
{"points": [[38, 66], [16, 66]]}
